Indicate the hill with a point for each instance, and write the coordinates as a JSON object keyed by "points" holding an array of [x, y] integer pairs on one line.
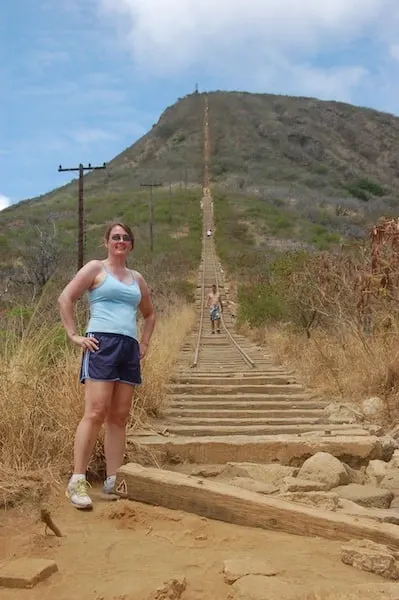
{"points": [[296, 170]]}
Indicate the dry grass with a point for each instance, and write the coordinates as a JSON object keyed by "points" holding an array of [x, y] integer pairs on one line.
{"points": [[41, 398], [162, 355], [342, 364]]}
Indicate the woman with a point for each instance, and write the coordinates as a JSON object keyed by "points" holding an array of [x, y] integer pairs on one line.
{"points": [[111, 359]]}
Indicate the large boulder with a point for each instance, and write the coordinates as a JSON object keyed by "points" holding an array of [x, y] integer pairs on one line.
{"points": [[323, 500], [326, 469], [373, 408], [365, 495], [338, 412], [372, 557], [382, 515]]}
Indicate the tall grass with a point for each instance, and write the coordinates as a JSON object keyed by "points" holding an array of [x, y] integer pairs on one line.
{"points": [[342, 364], [41, 399]]}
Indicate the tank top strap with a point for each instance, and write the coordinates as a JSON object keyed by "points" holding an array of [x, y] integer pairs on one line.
{"points": [[133, 273]]}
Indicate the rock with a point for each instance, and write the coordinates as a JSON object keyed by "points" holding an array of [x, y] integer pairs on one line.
{"points": [[381, 515], [324, 500], [394, 433], [236, 568], [171, 590], [371, 557], [207, 470], [343, 413], [26, 572], [295, 484], [324, 468], [376, 430], [273, 473], [256, 587], [376, 470], [365, 495], [395, 501], [373, 407], [354, 475], [255, 486], [390, 481], [387, 447], [394, 462]]}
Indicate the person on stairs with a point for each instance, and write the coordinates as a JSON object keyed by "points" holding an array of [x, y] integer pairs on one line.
{"points": [[214, 303], [110, 367]]}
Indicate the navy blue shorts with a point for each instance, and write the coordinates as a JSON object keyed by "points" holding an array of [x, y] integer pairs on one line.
{"points": [[117, 359]]}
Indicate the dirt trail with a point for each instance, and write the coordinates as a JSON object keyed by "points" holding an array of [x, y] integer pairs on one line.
{"points": [[125, 548]]}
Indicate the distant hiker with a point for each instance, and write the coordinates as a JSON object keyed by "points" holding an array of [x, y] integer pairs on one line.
{"points": [[214, 303], [209, 233], [110, 367]]}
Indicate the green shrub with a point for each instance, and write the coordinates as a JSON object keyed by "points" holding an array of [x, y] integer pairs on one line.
{"points": [[363, 187], [259, 304]]}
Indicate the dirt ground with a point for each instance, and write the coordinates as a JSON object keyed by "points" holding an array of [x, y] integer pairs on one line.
{"points": [[124, 550]]}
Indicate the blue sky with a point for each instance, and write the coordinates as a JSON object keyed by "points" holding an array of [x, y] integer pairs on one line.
{"points": [[81, 80]]}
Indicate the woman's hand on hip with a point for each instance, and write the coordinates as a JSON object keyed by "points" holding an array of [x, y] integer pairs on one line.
{"points": [[87, 343]]}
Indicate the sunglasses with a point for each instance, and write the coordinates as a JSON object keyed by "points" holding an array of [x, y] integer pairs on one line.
{"points": [[117, 237]]}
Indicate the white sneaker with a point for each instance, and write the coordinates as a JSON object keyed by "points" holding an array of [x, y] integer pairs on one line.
{"points": [[77, 492]]}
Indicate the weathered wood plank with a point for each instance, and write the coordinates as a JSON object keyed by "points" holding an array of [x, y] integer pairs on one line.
{"points": [[223, 502]]}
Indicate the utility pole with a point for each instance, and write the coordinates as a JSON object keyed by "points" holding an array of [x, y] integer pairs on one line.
{"points": [[81, 227], [151, 185], [170, 202]]}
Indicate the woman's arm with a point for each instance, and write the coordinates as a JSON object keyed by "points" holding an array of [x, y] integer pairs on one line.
{"points": [[82, 281], [147, 310]]}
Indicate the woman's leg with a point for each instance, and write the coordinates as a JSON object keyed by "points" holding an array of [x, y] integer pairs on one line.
{"points": [[115, 426], [98, 396]]}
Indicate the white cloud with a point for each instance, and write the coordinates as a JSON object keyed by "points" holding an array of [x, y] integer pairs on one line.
{"points": [[305, 79], [277, 39], [174, 33], [4, 202]]}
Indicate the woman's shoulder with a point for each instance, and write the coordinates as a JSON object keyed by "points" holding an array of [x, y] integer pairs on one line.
{"points": [[94, 265]]}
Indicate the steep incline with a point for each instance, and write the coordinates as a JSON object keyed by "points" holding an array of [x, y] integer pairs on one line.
{"points": [[227, 395]]}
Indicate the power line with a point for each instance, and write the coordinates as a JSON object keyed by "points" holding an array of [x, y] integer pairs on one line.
{"points": [[81, 228]]}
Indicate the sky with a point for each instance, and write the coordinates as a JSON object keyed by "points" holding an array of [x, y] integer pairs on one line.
{"points": [[81, 80]]}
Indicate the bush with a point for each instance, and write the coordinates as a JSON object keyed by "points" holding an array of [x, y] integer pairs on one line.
{"points": [[363, 187], [259, 304]]}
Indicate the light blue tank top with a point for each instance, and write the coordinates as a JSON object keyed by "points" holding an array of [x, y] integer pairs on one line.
{"points": [[113, 307]]}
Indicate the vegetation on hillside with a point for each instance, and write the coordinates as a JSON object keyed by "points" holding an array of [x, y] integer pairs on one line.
{"points": [[331, 314], [303, 147], [40, 242]]}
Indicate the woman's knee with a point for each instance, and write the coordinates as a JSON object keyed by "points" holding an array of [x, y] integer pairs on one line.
{"points": [[118, 417], [96, 413]]}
